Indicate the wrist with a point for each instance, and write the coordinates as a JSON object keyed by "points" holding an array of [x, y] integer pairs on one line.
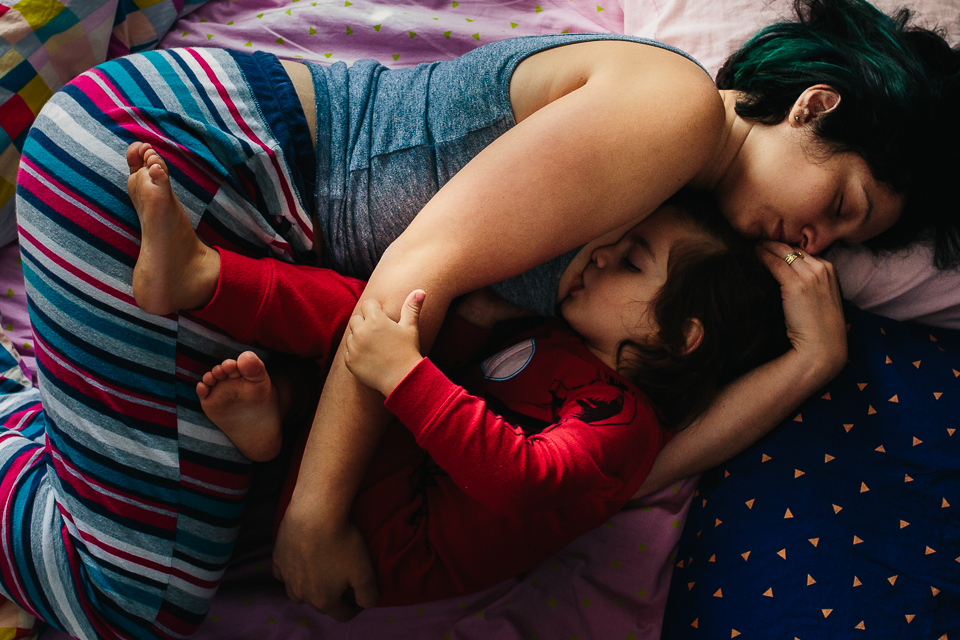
{"points": [[310, 511], [397, 374], [813, 369]]}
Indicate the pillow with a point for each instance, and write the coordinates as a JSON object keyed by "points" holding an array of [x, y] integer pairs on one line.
{"points": [[902, 286], [845, 518], [710, 31], [46, 43]]}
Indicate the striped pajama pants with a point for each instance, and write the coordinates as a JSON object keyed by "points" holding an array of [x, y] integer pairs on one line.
{"points": [[120, 500]]}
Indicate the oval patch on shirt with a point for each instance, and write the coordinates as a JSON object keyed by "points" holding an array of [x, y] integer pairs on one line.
{"points": [[509, 362]]}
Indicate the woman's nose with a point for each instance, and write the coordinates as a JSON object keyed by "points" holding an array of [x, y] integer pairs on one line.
{"points": [[814, 239]]}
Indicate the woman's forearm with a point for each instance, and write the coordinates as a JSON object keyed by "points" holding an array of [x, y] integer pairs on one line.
{"points": [[350, 417], [346, 429], [742, 413], [319, 554]]}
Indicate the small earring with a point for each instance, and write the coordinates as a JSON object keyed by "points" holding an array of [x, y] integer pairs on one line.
{"points": [[797, 118]]}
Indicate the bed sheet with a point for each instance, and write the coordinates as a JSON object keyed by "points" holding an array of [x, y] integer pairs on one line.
{"points": [[843, 523], [610, 583], [397, 33]]}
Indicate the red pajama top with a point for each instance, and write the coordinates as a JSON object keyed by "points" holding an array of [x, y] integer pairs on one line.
{"points": [[476, 483]]}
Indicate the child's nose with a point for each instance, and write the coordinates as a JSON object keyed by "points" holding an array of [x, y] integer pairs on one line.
{"points": [[601, 255]]}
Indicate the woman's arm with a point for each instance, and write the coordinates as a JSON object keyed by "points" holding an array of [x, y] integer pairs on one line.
{"points": [[590, 161], [751, 406]]}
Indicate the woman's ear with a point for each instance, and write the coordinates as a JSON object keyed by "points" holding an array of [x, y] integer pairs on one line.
{"points": [[692, 335], [813, 103]]}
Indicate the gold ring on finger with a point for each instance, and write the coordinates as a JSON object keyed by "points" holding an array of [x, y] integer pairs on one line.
{"points": [[793, 256]]}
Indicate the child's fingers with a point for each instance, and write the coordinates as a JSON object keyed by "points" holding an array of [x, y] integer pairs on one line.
{"points": [[369, 308], [410, 312], [354, 325]]}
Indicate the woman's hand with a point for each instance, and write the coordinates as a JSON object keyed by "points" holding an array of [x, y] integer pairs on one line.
{"points": [[381, 352], [483, 308], [750, 406], [319, 567], [812, 306]]}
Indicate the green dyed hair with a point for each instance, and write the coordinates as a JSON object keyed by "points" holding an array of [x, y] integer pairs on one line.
{"points": [[900, 103]]}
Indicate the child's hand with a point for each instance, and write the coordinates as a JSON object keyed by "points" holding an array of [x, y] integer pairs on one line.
{"points": [[381, 352]]}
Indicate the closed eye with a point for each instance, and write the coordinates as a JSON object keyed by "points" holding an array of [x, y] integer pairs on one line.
{"points": [[629, 266], [840, 208]]}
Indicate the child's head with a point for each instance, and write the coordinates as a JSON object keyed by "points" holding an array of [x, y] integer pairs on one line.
{"points": [[681, 305]]}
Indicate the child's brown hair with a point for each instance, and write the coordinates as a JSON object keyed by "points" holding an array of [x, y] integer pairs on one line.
{"points": [[722, 283]]}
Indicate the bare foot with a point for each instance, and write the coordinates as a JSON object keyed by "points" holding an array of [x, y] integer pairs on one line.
{"points": [[239, 397], [175, 270]]}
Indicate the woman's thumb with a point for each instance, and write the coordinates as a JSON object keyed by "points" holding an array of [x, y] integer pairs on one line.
{"points": [[410, 312]]}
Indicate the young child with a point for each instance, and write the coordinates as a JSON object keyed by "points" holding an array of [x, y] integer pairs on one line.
{"points": [[544, 441]]}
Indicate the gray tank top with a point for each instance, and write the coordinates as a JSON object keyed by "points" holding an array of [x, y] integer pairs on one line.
{"points": [[389, 139]]}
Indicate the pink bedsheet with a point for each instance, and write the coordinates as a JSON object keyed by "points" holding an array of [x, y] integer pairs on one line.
{"points": [[611, 583], [394, 32]]}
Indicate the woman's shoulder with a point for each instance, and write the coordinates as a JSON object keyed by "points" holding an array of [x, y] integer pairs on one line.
{"points": [[633, 70]]}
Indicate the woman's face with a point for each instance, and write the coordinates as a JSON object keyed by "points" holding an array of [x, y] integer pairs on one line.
{"points": [[782, 186]]}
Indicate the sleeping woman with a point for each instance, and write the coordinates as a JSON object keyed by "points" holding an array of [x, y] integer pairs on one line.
{"points": [[492, 168]]}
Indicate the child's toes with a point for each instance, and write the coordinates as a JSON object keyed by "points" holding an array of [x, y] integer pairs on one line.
{"points": [[134, 159], [229, 368], [157, 172], [209, 380], [218, 372], [251, 366], [202, 390]]}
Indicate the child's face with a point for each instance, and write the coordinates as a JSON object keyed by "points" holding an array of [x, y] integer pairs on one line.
{"points": [[612, 301]]}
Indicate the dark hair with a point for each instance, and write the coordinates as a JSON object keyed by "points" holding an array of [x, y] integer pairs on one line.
{"points": [[899, 88], [722, 283]]}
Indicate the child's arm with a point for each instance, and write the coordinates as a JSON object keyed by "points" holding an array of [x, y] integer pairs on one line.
{"points": [[491, 460]]}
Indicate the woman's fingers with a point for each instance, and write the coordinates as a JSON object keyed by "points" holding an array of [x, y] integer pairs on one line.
{"points": [[812, 305], [791, 265]]}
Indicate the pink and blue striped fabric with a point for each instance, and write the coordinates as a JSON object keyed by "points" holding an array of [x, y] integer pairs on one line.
{"points": [[120, 513]]}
